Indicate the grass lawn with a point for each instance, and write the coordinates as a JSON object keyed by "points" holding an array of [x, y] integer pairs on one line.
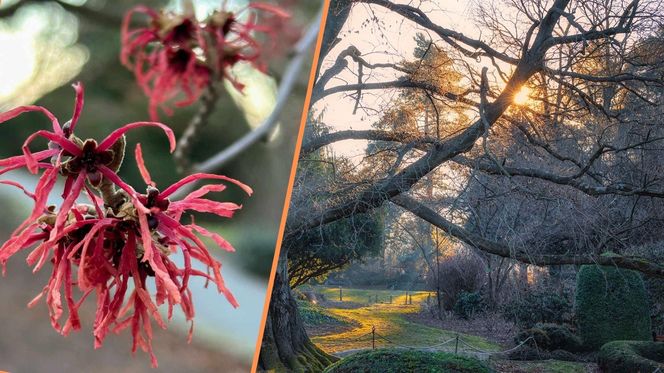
{"points": [[390, 322], [362, 295], [320, 321], [407, 361], [548, 366]]}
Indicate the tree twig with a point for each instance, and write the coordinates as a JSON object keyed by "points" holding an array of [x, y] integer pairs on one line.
{"points": [[288, 82], [197, 122], [484, 89]]}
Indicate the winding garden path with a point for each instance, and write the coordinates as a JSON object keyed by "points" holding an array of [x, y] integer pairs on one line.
{"points": [[393, 329]]}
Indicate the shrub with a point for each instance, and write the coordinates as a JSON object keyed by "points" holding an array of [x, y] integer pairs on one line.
{"points": [[529, 353], [551, 337], [611, 304], [631, 356], [464, 272], [469, 304], [406, 361], [655, 288], [538, 306], [564, 356]]}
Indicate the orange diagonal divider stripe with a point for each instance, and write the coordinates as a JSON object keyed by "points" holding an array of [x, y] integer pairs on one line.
{"points": [[291, 180]]}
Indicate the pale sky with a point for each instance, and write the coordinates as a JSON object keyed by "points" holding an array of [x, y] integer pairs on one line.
{"points": [[398, 43]]}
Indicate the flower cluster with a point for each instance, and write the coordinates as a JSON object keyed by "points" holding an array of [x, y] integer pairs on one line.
{"points": [[113, 244], [177, 54]]}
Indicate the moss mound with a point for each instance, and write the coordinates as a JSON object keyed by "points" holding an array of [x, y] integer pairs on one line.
{"points": [[631, 356], [313, 315], [611, 305], [406, 361], [310, 359], [550, 337]]}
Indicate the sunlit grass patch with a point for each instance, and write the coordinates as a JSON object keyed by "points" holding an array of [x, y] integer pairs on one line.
{"points": [[392, 328], [314, 315], [368, 296]]}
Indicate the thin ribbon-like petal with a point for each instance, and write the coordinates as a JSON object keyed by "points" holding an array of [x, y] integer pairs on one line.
{"points": [[141, 166], [270, 9], [78, 105], [115, 135], [199, 176], [19, 186], [214, 236], [23, 109], [63, 142]]}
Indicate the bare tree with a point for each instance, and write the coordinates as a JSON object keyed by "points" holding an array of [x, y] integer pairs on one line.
{"points": [[568, 174]]}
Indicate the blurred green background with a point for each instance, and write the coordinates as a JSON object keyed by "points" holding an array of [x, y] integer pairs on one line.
{"points": [[47, 45]]}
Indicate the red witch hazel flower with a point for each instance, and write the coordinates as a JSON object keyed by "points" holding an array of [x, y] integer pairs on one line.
{"points": [[117, 238], [176, 54]]}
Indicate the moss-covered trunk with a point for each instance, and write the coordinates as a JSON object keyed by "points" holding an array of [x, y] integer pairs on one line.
{"points": [[286, 346]]}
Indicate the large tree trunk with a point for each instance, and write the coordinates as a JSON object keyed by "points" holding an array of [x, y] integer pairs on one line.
{"points": [[286, 346]]}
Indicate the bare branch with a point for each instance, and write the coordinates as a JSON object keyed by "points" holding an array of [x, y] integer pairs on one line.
{"points": [[286, 87], [198, 121], [450, 36], [501, 249]]}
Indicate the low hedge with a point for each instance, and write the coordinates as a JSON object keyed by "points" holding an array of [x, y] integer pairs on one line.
{"points": [[550, 337], [631, 356], [406, 361]]}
